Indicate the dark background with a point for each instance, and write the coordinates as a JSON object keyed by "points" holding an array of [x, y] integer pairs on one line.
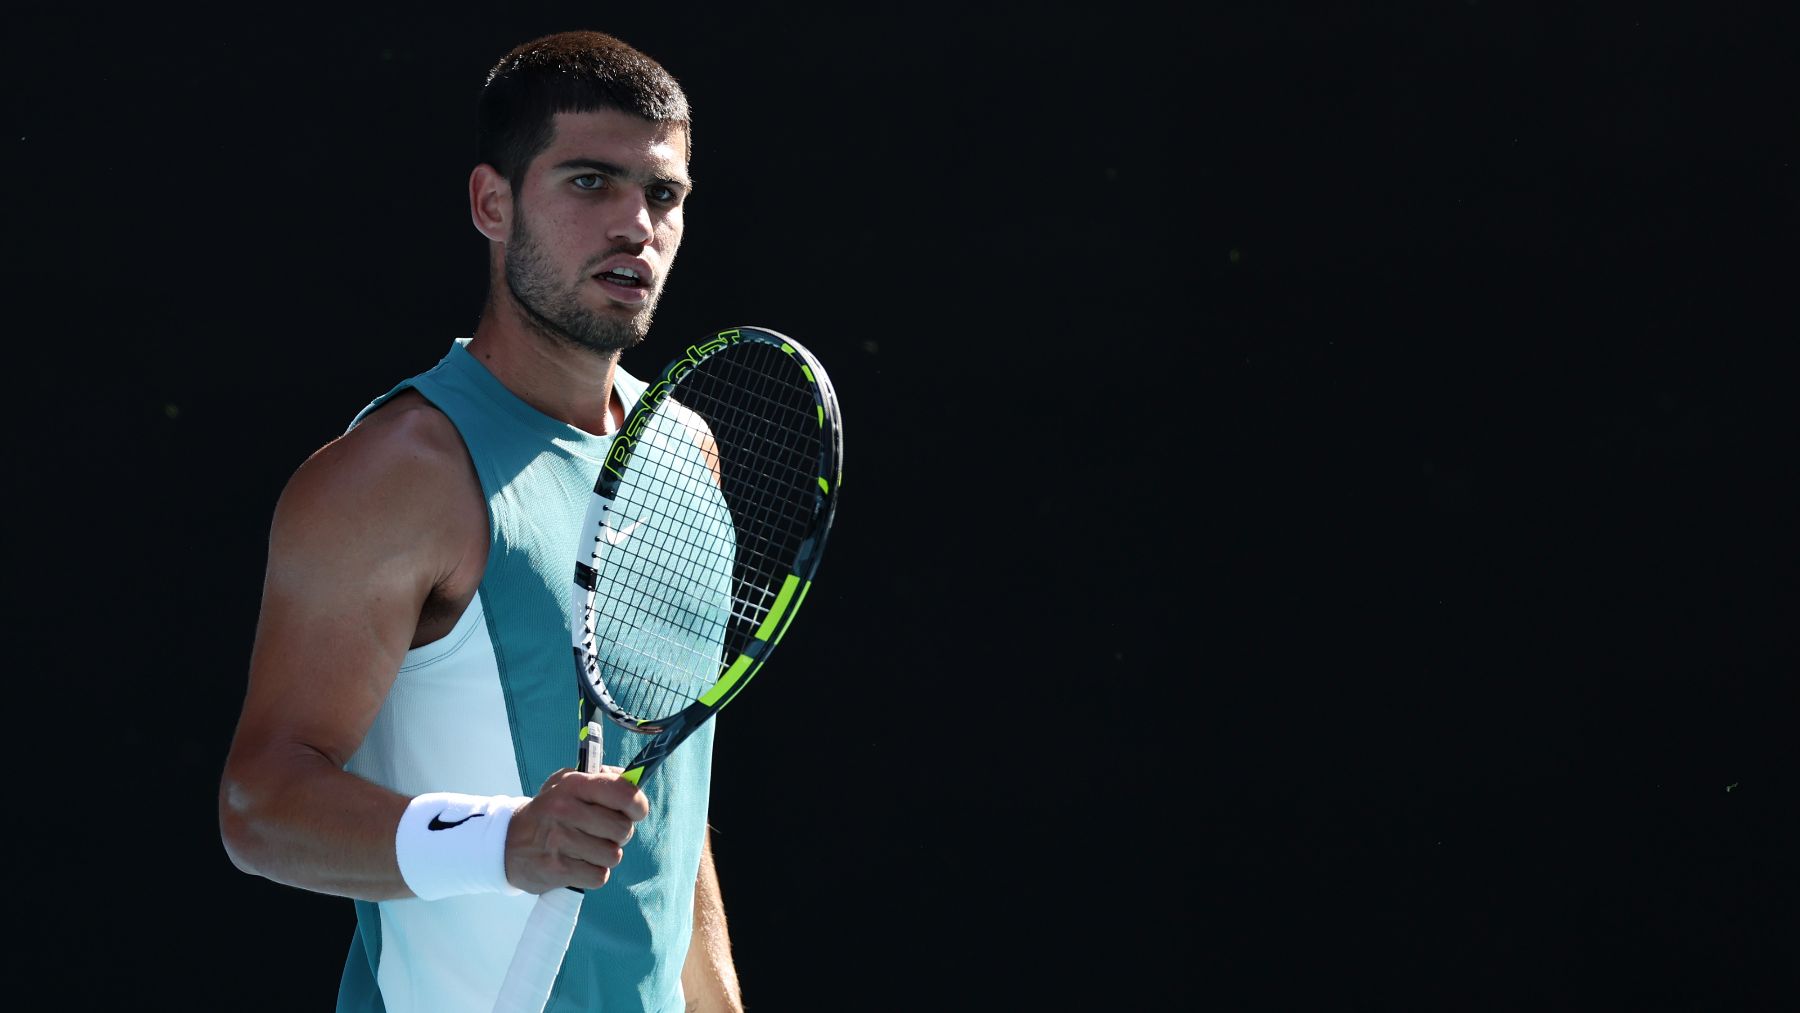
{"points": [[1318, 520]]}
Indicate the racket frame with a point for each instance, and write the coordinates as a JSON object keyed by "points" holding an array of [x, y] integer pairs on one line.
{"points": [[669, 731]]}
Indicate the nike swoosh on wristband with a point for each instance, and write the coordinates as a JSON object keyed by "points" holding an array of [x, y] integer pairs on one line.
{"points": [[438, 824]]}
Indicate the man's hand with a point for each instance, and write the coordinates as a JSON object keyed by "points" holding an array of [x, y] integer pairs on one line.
{"points": [[574, 831]]}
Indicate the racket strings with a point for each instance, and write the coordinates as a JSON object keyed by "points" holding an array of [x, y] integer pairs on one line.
{"points": [[654, 621], [763, 413], [694, 564]]}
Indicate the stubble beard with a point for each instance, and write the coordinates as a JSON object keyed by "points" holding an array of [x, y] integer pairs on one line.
{"points": [[556, 312]]}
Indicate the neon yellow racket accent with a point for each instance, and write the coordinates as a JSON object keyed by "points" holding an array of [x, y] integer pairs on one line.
{"points": [[779, 609], [793, 612], [744, 667], [726, 681]]}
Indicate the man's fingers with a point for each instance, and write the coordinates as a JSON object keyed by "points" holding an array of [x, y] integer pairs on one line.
{"points": [[611, 791], [581, 849], [606, 789], [574, 831]]}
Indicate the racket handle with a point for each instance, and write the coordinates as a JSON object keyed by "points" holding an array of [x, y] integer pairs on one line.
{"points": [[549, 928], [532, 973]]}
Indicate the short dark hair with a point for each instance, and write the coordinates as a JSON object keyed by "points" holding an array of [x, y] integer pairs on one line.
{"points": [[568, 72]]}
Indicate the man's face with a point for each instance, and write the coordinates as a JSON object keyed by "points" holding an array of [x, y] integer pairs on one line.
{"points": [[597, 218]]}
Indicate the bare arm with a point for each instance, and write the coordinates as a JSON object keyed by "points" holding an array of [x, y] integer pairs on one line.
{"points": [[709, 978], [369, 529], [359, 540]]}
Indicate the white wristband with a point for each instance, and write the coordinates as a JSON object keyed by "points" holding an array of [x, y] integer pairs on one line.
{"points": [[450, 844]]}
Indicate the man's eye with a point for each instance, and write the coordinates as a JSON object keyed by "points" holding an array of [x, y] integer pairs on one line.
{"points": [[664, 195], [591, 181]]}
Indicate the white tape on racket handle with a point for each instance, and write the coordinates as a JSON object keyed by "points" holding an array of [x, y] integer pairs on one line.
{"points": [[536, 962]]}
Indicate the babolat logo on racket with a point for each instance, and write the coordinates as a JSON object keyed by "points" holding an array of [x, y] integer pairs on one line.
{"points": [[678, 369], [626, 441]]}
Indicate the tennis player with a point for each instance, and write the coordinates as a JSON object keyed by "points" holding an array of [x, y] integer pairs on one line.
{"points": [[407, 734]]}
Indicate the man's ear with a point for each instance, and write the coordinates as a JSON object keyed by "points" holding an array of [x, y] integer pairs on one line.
{"points": [[490, 203]]}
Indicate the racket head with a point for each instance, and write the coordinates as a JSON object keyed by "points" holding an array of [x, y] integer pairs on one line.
{"points": [[704, 530]]}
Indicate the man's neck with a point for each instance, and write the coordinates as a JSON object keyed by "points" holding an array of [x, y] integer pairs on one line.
{"points": [[565, 382]]}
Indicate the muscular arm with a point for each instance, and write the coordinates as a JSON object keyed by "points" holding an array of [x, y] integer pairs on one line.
{"points": [[364, 532], [709, 978], [369, 530]]}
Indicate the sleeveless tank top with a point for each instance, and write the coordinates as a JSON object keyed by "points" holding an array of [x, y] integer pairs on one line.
{"points": [[492, 709]]}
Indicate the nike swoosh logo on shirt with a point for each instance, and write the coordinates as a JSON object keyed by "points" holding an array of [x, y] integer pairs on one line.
{"points": [[438, 824]]}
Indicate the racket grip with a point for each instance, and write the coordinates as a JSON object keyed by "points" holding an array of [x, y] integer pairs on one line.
{"points": [[551, 924], [532, 973]]}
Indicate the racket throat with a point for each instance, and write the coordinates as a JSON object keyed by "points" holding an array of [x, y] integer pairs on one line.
{"points": [[652, 756], [593, 748]]}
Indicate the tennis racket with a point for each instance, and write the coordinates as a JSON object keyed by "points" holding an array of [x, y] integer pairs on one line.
{"points": [[702, 537]]}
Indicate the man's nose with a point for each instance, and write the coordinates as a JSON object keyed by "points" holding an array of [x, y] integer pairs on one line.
{"points": [[631, 221]]}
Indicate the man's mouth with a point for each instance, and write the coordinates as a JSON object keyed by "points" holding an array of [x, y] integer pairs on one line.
{"points": [[622, 276]]}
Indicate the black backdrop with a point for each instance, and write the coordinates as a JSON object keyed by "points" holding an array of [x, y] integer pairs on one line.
{"points": [[1318, 520]]}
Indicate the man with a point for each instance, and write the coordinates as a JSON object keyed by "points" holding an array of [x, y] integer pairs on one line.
{"points": [[408, 728]]}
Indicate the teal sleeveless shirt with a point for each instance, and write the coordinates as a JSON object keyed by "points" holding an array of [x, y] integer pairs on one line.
{"points": [[537, 475]]}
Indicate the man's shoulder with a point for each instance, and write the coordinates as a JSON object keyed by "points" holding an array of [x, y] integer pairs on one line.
{"points": [[406, 420], [405, 452]]}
